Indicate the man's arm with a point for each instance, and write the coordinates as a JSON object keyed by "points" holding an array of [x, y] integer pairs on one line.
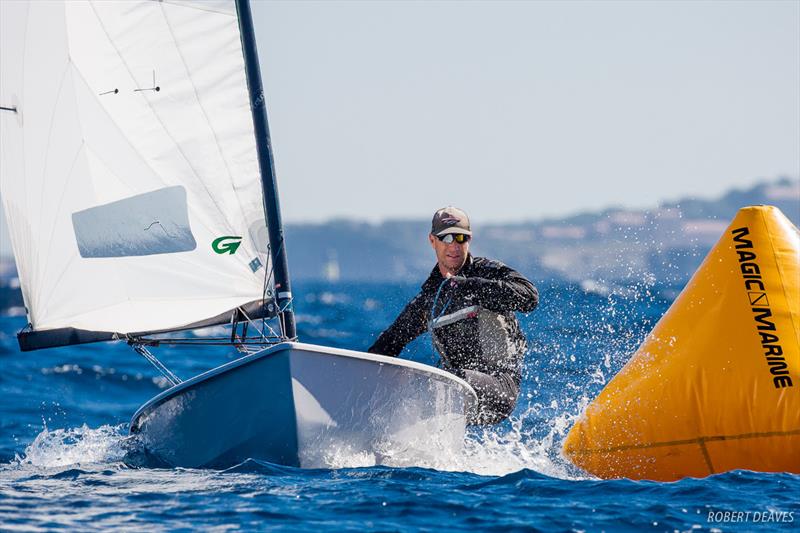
{"points": [[408, 326], [505, 290]]}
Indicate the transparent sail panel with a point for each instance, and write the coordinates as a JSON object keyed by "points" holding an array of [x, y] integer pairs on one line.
{"points": [[129, 169], [154, 222]]}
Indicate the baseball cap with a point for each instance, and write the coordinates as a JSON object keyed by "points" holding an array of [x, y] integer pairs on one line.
{"points": [[450, 220]]}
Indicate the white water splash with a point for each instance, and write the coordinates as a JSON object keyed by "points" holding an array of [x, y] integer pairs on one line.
{"points": [[496, 451], [490, 451], [82, 445], [500, 450]]}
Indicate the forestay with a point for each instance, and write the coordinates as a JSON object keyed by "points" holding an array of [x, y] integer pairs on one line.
{"points": [[129, 170]]}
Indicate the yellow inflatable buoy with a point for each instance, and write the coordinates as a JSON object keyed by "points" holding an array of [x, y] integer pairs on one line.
{"points": [[716, 385]]}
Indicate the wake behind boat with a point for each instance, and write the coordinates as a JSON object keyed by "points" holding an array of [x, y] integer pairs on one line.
{"points": [[142, 202]]}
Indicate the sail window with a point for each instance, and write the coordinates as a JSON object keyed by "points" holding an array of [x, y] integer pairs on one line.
{"points": [[155, 222]]}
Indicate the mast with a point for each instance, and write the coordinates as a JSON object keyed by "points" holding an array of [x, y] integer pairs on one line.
{"points": [[258, 107]]}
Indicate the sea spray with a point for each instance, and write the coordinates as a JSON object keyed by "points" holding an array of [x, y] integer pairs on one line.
{"points": [[75, 446]]}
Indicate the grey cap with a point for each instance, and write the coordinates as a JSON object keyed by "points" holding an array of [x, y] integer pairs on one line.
{"points": [[450, 220]]}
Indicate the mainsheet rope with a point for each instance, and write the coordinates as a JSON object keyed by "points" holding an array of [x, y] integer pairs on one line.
{"points": [[443, 360]]}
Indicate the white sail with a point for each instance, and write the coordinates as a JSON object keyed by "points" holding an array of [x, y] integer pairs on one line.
{"points": [[130, 153]]}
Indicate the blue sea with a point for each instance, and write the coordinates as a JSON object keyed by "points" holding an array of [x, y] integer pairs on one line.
{"points": [[65, 455]]}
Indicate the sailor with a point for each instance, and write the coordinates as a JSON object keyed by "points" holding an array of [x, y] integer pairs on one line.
{"points": [[468, 305]]}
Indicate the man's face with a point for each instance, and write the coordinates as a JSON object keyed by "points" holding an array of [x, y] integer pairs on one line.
{"points": [[450, 257]]}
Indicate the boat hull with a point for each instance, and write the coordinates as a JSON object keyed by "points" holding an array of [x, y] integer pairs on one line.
{"points": [[309, 406]]}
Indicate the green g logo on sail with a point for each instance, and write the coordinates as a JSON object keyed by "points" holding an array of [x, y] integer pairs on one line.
{"points": [[227, 244]]}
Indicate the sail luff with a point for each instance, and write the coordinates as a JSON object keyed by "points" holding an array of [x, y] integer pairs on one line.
{"points": [[266, 163]]}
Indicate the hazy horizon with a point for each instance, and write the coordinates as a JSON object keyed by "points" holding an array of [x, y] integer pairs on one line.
{"points": [[576, 212]]}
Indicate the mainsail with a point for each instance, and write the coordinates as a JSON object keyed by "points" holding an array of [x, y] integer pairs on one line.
{"points": [[130, 175]]}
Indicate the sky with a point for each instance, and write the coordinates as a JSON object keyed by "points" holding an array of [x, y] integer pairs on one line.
{"points": [[522, 110]]}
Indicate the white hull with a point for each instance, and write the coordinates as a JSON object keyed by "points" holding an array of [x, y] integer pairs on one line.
{"points": [[309, 406]]}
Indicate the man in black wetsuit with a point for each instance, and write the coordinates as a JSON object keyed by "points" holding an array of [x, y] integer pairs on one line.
{"points": [[468, 304]]}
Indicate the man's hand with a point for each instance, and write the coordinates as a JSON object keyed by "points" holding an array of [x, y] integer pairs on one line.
{"points": [[456, 280], [474, 285], [514, 293]]}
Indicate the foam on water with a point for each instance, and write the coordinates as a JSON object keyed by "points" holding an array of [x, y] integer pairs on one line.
{"points": [[489, 451], [493, 452], [76, 446]]}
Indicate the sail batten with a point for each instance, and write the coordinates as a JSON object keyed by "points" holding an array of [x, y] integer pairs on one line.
{"points": [[130, 173]]}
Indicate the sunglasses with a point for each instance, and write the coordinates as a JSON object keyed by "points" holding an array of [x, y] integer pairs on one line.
{"points": [[460, 238]]}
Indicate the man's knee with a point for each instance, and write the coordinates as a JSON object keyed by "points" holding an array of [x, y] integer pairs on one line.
{"points": [[497, 397]]}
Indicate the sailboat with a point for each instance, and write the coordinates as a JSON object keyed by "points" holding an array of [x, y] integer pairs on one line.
{"points": [[139, 186]]}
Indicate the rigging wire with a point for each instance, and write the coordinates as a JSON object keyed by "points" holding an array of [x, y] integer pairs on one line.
{"points": [[166, 372]]}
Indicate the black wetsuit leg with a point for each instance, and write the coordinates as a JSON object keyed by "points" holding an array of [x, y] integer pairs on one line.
{"points": [[497, 396]]}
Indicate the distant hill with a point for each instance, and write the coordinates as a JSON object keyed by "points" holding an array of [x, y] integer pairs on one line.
{"points": [[617, 245], [665, 243]]}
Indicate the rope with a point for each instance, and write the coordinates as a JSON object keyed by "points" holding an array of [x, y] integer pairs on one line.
{"points": [[268, 278], [263, 322], [209, 341], [442, 357]]}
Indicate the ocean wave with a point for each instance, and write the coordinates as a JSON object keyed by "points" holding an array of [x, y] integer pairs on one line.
{"points": [[107, 374]]}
